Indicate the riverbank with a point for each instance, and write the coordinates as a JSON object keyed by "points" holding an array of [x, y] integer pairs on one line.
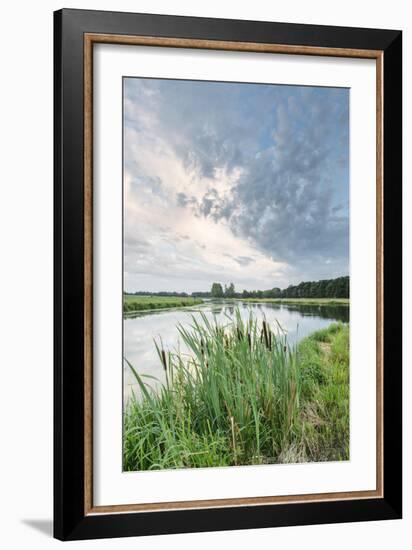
{"points": [[301, 301], [244, 398], [146, 303]]}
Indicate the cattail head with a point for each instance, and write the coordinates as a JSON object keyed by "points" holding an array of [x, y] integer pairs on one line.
{"points": [[266, 332], [164, 360]]}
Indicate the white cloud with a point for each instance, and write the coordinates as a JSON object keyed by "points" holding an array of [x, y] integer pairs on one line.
{"points": [[226, 187]]}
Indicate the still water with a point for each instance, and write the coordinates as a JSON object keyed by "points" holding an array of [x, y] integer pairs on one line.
{"points": [[142, 329]]}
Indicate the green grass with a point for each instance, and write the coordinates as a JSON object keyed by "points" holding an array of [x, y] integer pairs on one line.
{"points": [[301, 301], [242, 397], [324, 366], [142, 303]]}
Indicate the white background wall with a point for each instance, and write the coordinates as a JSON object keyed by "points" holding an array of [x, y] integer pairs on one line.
{"points": [[26, 110]]}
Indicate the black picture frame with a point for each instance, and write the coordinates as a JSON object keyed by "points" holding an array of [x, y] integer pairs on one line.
{"points": [[70, 520]]}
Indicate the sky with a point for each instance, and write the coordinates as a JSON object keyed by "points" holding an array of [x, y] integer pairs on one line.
{"points": [[234, 182]]}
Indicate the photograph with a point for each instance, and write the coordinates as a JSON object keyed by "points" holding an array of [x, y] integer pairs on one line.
{"points": [[236, 274], [227, 273]]}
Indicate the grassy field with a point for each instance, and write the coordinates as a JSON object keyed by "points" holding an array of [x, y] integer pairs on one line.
{"points": [[141, 303], [301, 301], [243, 397]]}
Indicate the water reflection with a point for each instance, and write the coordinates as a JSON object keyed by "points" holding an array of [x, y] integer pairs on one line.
{"points": [[141, 329]]}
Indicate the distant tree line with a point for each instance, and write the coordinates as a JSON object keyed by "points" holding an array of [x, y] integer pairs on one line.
{"points": [[326, 288]]}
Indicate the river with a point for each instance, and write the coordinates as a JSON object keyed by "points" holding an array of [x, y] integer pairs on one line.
{"points": [[140, 330]]}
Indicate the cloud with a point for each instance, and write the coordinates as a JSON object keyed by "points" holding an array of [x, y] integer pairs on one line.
{"points": [[244, 260], [259, 168]]}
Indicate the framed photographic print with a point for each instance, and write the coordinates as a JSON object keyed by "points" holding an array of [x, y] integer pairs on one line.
{"points": [[227, 274]]}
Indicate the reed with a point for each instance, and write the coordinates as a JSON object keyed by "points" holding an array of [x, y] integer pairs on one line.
{"points": [[240, 396]]}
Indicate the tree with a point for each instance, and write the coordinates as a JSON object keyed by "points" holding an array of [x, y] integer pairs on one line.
{"points": [[217, 290], [230, 291]]}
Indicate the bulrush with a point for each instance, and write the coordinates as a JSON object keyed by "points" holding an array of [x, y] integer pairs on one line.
{"points": [[238, 395]]}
